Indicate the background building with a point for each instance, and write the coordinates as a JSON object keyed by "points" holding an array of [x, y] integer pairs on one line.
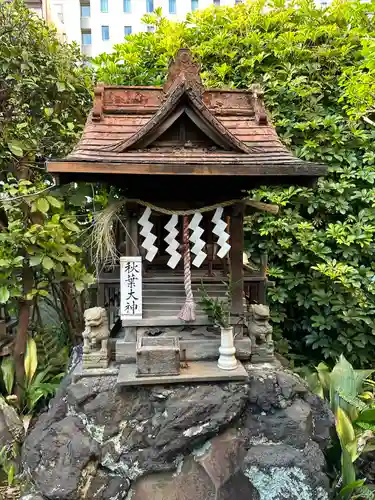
{"points": [[53, 14], [104, 23], [97, 25]]}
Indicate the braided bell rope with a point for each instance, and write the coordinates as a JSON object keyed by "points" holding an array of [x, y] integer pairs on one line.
{"points": [[187, 312]]}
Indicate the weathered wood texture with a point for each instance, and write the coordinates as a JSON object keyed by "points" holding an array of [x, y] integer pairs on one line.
{"points": [[127, 132], [236, 260], [163, 296], [158, 164], [199, 371]]}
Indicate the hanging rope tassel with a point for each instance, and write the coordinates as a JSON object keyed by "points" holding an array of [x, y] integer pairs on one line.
{"points": [[187, 312]]}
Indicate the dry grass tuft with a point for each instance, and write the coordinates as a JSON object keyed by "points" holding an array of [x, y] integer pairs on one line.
{"points": [[102, 241]]}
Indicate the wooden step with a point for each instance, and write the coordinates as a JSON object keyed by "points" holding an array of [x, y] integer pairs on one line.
{"points": [[168, 286], [168, 307], [172, 284], [157, 299], [196, 371], [169, 318]]}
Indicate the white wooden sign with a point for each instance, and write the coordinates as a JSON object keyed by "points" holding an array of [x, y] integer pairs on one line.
{"points": [[131, 287]]}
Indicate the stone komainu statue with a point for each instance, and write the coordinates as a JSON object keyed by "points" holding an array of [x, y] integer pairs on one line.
{"points": [[95, 338], [260, 331]]}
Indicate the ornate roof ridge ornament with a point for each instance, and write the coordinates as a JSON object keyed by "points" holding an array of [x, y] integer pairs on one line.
{"points": [[183, 68], [183, 93], [257, 94]]}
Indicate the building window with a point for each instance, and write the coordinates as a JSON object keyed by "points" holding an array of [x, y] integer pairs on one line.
{"points": [[103, 5], [238, 1], [194, 5], [149, 5], [105, 33], [127, 6], [85, 10], [150, 28], [172, 6], [127, 30], [86, 37]]}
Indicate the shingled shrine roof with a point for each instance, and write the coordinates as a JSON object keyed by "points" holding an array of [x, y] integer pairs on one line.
{"points": [[181, 128]]}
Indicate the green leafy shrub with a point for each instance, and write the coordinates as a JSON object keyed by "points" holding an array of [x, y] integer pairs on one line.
{"points": [[52, 348], [45, 95], [216, 309], [40, 383], [352, 401], [308, 61]]}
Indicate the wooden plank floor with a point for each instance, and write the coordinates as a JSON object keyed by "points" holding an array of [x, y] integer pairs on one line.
{"points": [[197, 371]]}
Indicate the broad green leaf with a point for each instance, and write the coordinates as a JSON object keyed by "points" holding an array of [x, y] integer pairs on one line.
{"points": [[31, 360], [17, 261], [344, 428], [42, 205], [7, 369], [347, 472], [367, 416], [73, 248], [349, 488], [315, 384], [42, 284], [35, 260], [47, 263], [88, 279], [54, 202], [80, 286], [69, 259], [324, 376], [4, 295], [11, 474], [343, 383], [361, 376], [69, 225], [367, 396], [31, 294], [60, 86], [16, 148]]}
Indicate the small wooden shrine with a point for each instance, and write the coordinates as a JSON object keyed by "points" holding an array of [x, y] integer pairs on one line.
{"points": [[184, 157]]}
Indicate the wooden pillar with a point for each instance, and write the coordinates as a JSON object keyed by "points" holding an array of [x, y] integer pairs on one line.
{"points": [[236, 259], [132, 232], [262, 285]]}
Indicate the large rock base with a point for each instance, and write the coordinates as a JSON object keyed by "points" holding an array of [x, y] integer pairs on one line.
{"points": [[260, 440]]}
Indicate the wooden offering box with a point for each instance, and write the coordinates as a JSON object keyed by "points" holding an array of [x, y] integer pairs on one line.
{"points": [[157, 356]]}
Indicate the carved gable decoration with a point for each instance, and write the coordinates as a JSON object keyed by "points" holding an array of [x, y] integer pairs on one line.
{"points": [[183, 95], [181, 128]]}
